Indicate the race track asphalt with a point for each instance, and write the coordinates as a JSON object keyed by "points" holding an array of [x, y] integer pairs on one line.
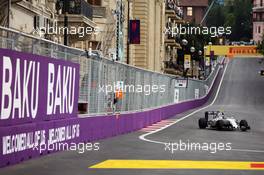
{"points": [[241, 95]]}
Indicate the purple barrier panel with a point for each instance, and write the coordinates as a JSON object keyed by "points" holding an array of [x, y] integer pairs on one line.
{"points": [[5, 160], [76, 130], [107, 127], [141, 121], [96, 127], [131, 119], [121, 123], [151, 117], [87, 134], [36, 88], [67, 131], [119, 126], [114, 127], [18, 143], [35, 134], [128, 123], [125, 123], [137, 122], [146, 118], [103, 124], [26, 141], [157, 114]]}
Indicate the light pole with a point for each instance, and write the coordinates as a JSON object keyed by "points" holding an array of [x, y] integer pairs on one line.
{"points": [[200, 56], [210, 45], [66, 10], [8, 13], [192, 49], [204, 64], [128, 30], [64, 6], [184, 44]]}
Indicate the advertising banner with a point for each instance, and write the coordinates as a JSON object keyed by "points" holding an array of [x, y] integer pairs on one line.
{"points": [[181, 83], [176, 95], [36, 88], [196, 93], [207, 61], [134, 31], [187, 61]]}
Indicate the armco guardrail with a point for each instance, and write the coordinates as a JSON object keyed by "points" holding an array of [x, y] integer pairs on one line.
{"points": [[97, 72]]}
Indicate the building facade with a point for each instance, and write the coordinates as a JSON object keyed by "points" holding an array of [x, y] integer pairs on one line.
{"points": [[147, 54], [29, 16], [258, 20], [194, 10], [157, 46]]}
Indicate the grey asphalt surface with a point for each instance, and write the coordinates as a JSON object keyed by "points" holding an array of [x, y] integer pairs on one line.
{"points": [[241, 95]]}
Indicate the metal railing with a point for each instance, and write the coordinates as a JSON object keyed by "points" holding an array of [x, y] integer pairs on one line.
{"points": [[174, 5], [96, 72], [258, 5], [258, 19], [99, 11], [80, 7]]}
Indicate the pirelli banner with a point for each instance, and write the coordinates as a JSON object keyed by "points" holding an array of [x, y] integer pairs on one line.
{"points": [[36, 88]]}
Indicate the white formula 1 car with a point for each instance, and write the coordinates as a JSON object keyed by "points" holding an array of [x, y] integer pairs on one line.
{"points": [[219, 121]]}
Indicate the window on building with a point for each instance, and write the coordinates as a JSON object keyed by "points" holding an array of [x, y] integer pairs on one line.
{"points": [[259, 29], [36, 22], [189, 11], [95, 2]]}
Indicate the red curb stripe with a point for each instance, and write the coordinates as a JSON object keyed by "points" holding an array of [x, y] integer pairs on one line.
{"points": [[257, 165]]}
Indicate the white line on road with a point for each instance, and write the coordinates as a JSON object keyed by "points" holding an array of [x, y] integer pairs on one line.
{"points": [[143, 137]]}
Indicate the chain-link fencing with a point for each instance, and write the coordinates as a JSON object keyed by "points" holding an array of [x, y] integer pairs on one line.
{"points": [[107, 86]]}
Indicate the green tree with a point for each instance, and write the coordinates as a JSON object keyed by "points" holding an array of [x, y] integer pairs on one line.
{"points": [[236, 14], [260, 47]]}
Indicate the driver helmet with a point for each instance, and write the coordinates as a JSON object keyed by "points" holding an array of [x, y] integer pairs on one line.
{"points": [[221, 115]]}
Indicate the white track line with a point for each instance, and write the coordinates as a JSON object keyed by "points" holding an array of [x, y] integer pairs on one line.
{"points": [[143, 137]]}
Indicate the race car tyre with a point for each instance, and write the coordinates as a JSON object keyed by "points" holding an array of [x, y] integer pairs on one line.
{"points": [[202, 123], [220, 124], [244, 125], [206, 116]]}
